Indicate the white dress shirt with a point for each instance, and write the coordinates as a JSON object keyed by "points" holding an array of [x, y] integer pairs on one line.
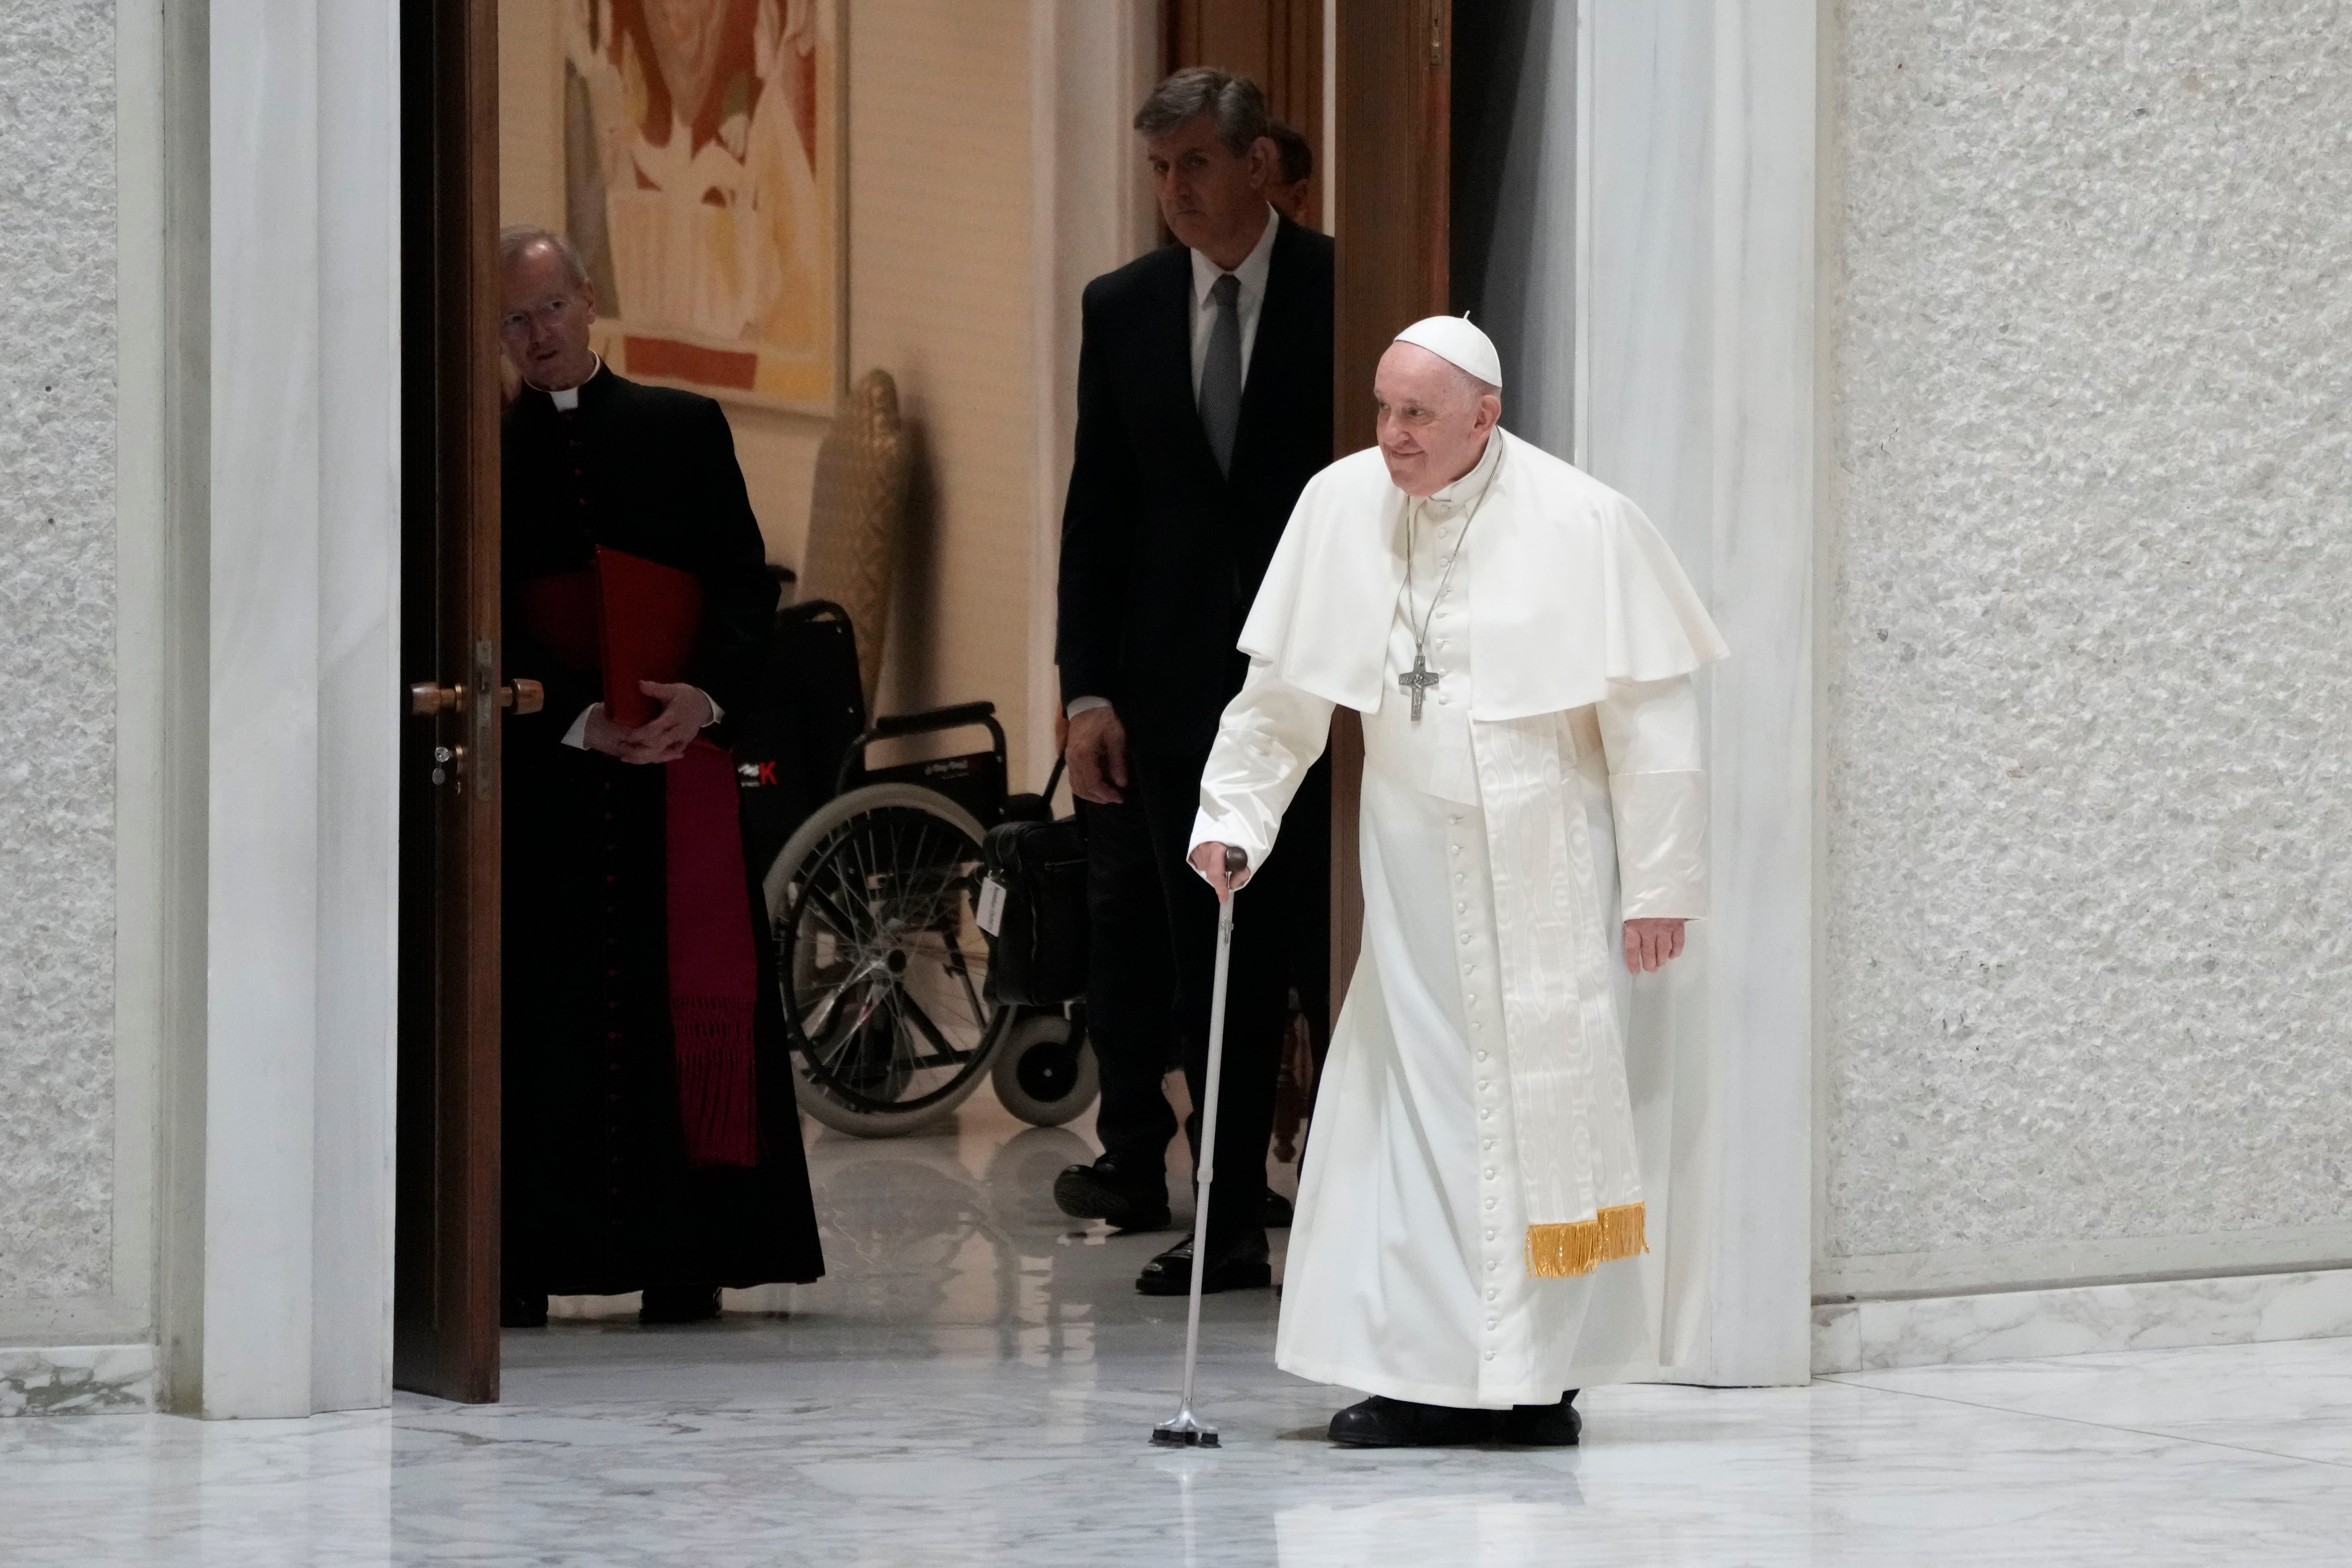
{"points": [[1247, 304], [1252, 273]]}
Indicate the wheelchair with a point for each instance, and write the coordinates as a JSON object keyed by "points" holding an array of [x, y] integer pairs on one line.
{"points": [[871, 877]]}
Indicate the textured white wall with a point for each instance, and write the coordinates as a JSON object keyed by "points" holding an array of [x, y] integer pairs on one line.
{"points": [[56, 647], [2089, 633]]}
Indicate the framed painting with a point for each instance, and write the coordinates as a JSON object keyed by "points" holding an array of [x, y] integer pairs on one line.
{"points": [[703, 174]]}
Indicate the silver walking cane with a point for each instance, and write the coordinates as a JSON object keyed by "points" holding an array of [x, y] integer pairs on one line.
{"points": [[1184, 1429]]}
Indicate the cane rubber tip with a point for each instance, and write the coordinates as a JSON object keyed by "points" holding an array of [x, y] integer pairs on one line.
{"points": [[1163, 1438]]}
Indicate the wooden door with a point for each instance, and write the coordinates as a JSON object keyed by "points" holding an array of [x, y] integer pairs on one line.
{"points": [[1391, 200], [445, 1271]]}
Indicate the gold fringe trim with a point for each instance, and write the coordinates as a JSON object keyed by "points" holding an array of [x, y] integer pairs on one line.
{"points": [[1565, 1251]]}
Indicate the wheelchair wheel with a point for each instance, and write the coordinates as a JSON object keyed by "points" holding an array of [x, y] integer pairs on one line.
{"points": [[1045, 1072], [882, 969]]}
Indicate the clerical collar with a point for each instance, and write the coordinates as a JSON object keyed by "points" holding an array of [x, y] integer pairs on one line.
{"points": [[568, 399], [1467, 488], [1251, 271]]}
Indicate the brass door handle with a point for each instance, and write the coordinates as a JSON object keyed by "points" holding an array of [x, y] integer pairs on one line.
{"points": [[427, 698]]}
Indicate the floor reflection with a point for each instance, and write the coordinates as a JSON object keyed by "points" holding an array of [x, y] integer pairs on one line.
{"points": [[975, 1381]]}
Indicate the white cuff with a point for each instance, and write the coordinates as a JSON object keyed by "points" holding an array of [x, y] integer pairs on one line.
{"points": [[1078, 705]]}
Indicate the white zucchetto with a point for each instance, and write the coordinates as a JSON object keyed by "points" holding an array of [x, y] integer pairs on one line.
{"points": [[1454, 340]]}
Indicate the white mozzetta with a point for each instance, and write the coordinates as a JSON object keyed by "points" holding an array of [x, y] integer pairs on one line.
{"points": [[56, 649], [2166, 1314], [2089, 684]]}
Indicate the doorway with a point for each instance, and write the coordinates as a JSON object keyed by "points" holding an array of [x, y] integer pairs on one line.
{"points": [[1377, 90]]}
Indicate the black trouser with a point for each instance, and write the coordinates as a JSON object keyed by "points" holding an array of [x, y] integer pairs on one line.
{"points": [[1130, 981], [1290, 895]]}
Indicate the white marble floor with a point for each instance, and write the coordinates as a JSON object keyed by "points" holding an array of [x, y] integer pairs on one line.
{"points": [[974, 1385]]}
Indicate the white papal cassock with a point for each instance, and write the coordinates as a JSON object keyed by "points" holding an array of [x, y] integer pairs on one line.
{"points": [[1472, 1212]]}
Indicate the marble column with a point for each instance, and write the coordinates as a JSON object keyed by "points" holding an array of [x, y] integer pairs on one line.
{"points": [[291, 1239], [1698, 126]]}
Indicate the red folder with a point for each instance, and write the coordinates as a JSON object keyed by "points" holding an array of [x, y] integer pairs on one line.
{"points": [[647, 616]]}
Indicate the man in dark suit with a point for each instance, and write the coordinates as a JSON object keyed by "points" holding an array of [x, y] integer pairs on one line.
{"points": [[652, 1139], [1204, 406]]}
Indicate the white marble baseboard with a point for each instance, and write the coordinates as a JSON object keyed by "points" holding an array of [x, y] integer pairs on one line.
{"points": [[77, 1380], [2166, 1314]]}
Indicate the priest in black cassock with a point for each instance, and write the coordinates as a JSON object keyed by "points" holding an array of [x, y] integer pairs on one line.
{"points": [[652, 1139]]}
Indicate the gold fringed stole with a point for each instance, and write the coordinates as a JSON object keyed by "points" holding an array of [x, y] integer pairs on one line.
{"points": [[1564, 1251]]}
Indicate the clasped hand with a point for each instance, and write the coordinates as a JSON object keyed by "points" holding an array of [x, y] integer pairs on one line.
{"points": [[663, 738]]}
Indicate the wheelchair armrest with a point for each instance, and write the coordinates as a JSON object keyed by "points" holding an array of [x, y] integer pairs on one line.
{"points": [[931, 719], [891, 726]]}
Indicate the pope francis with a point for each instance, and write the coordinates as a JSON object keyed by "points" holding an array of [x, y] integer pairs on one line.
{"points": [[1520, 643]]}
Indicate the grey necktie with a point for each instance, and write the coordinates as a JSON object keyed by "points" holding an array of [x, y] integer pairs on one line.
{"points": [[1221, 377]]}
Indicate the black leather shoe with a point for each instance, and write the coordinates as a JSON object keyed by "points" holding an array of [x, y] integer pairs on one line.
{"points": [[1379, 1423], [522, 1311], [1544, 1426], [1277, 1210], [679, 1304], [1245, 1266], [1103, 1190]]}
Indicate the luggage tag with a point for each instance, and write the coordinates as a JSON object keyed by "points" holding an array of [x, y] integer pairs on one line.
{"points": [[991, 912]]}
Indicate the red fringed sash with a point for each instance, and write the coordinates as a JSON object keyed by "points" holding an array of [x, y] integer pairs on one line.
{"points": [[713, 970], [713, 976]]}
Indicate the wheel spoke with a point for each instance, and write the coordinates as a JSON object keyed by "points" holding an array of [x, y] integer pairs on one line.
{"points": [[904, 1000]]}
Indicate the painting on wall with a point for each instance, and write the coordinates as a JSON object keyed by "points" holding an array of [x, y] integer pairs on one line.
{"points": [[702, 167]]}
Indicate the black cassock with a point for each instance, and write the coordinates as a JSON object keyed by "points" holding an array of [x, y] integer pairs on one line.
{"points": [[600, 1198]]}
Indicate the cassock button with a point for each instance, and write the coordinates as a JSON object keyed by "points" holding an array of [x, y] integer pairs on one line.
{"points": [[1490, 1355], [1490, 1235], [1457, 850], [1482, 1056], [1490, 1172], [1490, 1203], [1466, 935], [1458, 908], [1491, 1322], [1453, 821], [1492, 1266], [1485, 1115]]}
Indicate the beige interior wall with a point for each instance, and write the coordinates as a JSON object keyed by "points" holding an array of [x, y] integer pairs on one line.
{"points": [[939, 295], [939, 191]]}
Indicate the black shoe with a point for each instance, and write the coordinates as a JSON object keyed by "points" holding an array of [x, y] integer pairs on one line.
{"points": [[1544, 1426], [1277, 1210], [522, 1311], [1379, 1423], [679, 1304], [1243, 1267], [1105, 1191]]}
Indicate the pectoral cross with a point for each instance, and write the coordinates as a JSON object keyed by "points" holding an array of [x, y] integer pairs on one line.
{"points": [[1417, 681]]}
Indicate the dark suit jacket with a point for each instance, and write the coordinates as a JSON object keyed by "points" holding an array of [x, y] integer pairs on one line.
{"points": [[645, 470], [1162, 554]]}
